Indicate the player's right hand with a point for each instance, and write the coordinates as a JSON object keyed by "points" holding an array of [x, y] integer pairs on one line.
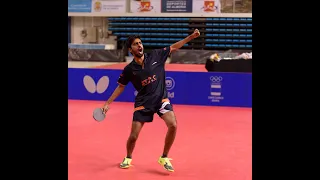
{"points": [[195, 34], [105, 108]]}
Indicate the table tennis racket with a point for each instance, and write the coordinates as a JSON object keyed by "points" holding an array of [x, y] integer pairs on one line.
{"points": [[98, 114]]}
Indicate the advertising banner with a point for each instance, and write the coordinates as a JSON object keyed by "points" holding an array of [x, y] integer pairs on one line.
{"points": [[69, 30], [190, 88], [141, 6], [178, 6], [80, 6], [109, 6], [206, 6]]}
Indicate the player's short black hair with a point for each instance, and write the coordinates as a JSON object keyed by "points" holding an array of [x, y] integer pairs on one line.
{"points": [[131, 39]]}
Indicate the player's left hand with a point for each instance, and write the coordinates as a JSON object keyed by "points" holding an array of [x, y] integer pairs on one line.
{"points": [[195, 34]]}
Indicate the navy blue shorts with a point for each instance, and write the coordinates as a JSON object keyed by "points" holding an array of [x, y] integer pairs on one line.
{"points": [[142, 114]]}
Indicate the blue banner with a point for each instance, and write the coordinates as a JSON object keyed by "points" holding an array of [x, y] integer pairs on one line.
{"points": [[179, 6], [81, 6], [191, 88]]}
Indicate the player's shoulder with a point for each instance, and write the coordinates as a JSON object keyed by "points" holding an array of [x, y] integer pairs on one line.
{"points": [[161, 49], [157, 50], [128, 67]]}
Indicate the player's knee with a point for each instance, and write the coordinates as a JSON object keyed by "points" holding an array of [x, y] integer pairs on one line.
{"points": [[133, 137], [172, 125]]}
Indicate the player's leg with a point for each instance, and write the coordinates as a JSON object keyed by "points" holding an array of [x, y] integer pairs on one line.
{"points": [[167, 114], [131, 142], [135, 131], [139, 118], [171, 123]]}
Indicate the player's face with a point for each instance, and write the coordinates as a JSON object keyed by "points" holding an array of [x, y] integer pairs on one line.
{"points": [[137, 48]]}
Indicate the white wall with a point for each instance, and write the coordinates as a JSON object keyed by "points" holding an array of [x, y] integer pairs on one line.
{"points": [[80, 23]]}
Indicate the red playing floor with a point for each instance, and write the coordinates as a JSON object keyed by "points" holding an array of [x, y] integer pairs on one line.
{"points": [[169, 67], [212, 143]]}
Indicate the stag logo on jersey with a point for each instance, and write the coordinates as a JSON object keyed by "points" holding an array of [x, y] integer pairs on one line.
{"points": [[91, 86], [148, 80]]}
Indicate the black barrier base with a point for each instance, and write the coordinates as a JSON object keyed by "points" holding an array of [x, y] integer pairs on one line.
{"points": [[236, 65], [97, 55], [196, 56]]}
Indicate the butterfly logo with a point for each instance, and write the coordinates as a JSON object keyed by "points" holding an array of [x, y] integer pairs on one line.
{"points": [[92, 87]]}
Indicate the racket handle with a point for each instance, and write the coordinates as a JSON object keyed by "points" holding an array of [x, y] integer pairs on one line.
{"points": [[105, 110]]}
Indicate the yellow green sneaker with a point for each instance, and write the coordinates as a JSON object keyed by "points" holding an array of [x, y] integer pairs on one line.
{"points": [[126, 163], [166, 164]]}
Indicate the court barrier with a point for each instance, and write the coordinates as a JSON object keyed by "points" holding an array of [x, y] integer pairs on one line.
{"points": [[189, 88]]}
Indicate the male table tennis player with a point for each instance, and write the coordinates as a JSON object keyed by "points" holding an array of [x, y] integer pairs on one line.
{"points": [[147, 74]]}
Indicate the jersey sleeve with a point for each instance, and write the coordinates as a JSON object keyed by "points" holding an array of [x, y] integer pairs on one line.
{"points": [[163, 53], [124, 77]]}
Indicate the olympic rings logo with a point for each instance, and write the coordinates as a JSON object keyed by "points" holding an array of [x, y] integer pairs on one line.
{"points": [[216, 79]]}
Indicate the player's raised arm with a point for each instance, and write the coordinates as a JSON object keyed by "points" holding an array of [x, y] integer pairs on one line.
{"points": [[184, 41]]}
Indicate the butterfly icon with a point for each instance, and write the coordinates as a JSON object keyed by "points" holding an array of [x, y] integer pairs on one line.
{"points": [[92, 87]]}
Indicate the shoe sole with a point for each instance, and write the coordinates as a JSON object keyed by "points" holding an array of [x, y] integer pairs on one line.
{"points": [[165, 168]]}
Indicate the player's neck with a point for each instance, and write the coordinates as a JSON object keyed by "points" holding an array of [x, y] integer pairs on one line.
{"points": [[139, 60]]}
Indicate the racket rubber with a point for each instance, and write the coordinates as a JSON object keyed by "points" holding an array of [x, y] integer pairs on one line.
{"points": [[98, 114]]}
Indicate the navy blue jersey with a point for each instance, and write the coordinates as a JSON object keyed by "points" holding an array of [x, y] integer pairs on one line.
{"points": [[148, 81]]}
